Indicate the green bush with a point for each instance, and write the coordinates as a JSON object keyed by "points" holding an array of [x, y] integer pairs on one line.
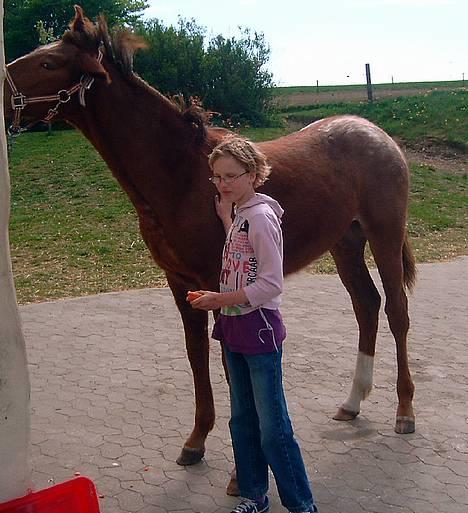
{"points": [[227, 75]]}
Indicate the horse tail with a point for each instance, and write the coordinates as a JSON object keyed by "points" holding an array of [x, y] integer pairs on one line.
{"points": [[409, 264]]}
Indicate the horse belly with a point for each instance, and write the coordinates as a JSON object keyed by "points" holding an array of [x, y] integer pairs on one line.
{"points": [[308, 237]]}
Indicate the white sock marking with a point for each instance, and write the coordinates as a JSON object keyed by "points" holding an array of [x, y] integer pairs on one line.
{"points": [[362, 382]]}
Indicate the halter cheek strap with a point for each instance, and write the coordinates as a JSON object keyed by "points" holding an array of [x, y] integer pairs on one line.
{"points": [[20, 101]]}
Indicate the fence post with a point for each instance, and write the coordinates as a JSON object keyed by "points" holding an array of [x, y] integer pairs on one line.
{"points": [[369, 84]]}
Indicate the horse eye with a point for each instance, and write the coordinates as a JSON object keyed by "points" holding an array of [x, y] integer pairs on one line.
{"points": [[46, 65]]}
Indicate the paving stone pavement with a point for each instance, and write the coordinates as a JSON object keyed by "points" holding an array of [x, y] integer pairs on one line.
{"points": [[112, 399]]}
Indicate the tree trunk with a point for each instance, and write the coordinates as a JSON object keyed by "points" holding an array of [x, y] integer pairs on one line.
{"points": [[14, 377]]}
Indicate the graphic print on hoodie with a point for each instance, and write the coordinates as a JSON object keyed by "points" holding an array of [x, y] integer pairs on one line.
{"points": [[253, 255]]}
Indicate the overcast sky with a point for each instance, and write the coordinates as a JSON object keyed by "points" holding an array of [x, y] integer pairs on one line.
{"points": [[332, 40]]}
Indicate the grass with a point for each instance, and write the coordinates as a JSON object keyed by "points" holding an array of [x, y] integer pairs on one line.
{"points": [[438, 213], [265, 134], [74, 232], [439, 116]]}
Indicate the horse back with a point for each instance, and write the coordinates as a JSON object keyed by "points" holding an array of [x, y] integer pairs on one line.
{"points": [[329, 174]]}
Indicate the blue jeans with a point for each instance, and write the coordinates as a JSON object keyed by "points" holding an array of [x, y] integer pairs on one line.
{"points": [[261, 431]]}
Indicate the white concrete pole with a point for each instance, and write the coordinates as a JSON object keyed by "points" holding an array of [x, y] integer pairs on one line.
{"points": [[15, 428]]}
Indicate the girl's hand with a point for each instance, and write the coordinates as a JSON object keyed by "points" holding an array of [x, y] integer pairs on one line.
{"points": [[223, 209], [191, 296], [207, 301]]}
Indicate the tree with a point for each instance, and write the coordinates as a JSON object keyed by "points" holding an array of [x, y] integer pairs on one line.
{"points": [[46, 35], [237, 83], [22, 16], [14, 378], [228, 75], [173, 62]]}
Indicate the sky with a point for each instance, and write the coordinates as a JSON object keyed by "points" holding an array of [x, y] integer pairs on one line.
{"points": [[330, 41]]}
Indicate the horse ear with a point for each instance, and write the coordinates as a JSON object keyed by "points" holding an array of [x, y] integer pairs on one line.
{"points": [[93, 67], [78, 23]]}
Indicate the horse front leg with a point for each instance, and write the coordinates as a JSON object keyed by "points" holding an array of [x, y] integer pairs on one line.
{"points": [[197, 345]]}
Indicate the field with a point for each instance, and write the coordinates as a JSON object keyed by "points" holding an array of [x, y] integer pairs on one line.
{"points": [[73, 232], [311, 95]]}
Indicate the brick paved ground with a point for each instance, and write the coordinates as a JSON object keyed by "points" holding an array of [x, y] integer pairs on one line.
{"points": [[112, 399]]}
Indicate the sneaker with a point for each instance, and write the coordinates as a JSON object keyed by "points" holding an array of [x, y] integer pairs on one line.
{"points": [[250, 506]]}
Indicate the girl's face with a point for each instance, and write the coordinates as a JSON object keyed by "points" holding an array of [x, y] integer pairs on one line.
{"points": [[232, 180]]}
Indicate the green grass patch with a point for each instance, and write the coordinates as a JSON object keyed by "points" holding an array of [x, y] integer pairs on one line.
{"points": [[438, 213], [72, 231], [264, 134], [439, 116]]}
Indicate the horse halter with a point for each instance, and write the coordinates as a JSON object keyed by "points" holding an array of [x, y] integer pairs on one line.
{"points": [[19, 101]]}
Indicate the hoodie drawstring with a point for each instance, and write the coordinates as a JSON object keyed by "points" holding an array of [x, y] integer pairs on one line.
{"points": [[268, 328]]}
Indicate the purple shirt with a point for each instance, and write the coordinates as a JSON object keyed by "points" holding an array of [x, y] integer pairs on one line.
{"points": [[260, 331], [253, 261]]}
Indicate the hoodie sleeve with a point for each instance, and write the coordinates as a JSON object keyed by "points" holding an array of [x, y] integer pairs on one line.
{"points": [[266, 240]]}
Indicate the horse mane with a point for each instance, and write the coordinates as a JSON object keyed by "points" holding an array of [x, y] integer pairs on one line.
{"points": [[120, 46]]}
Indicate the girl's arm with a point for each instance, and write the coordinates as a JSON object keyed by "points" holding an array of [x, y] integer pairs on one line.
{"points": [[266, 239], [215, 300]]}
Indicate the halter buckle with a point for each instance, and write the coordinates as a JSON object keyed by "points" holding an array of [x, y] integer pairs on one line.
{"points": [[63, 96], [18, 101]]}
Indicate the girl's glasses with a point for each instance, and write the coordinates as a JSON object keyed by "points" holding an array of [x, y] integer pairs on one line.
{"points": [[216, 179]]}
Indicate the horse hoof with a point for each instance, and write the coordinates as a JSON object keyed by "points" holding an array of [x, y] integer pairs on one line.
{"points": [[233, 488], [343, 414], [190, 456], [405, 425]]}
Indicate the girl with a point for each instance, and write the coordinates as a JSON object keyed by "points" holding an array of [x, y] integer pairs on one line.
{"points": [[251, 330]]}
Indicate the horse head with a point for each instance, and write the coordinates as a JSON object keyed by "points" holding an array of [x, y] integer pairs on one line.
{"points": [[53, 78]]}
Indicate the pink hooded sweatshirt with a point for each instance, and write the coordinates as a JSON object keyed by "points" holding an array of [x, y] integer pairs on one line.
{"points": [[253, 256]]}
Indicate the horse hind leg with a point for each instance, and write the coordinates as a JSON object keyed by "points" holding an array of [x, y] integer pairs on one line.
{"points": [[348, 254], [395, 263]]}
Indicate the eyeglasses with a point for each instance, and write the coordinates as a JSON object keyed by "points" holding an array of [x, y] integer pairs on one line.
{"points": [[216, 179]]}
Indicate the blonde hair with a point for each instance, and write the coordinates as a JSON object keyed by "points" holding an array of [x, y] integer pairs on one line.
{"points": [[246, 153]]}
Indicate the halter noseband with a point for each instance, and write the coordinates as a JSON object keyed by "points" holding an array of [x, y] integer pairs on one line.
{"points": [[19, 101]]}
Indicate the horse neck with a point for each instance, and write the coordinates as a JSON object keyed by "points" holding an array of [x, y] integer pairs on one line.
{"points": [[143, 139]]}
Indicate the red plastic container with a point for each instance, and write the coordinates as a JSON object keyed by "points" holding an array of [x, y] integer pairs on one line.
{"points": [[74, 496]]}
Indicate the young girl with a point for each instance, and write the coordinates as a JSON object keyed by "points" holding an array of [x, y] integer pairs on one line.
{"points": [[252, 331]]}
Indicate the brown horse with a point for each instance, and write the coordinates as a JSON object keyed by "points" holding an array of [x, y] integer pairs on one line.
{"points": [[342, 182]]}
